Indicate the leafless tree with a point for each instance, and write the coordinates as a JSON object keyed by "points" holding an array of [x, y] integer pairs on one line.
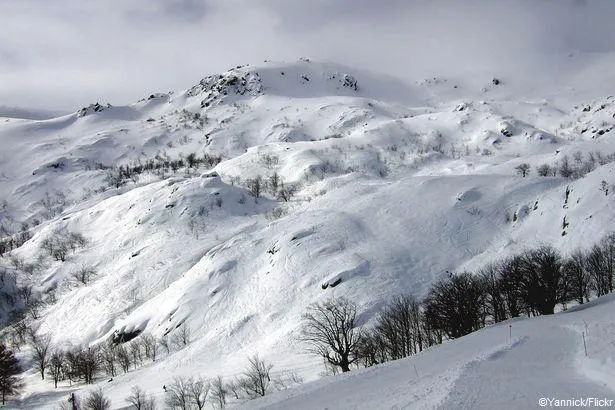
{"points": [[56, 366], [255, 187], [181, 337], [109, 358], [198, 390], [330, 330], [178, 394], [219, 390], [510, 278], [114, 178], [544, 283], [456, 305], [10, 382], [123, 357], [60, 251], [135, 351], [83, 275], [97, 401], [565, 169], [523, 169], [83, 363], [398, 328], [19, 333], [139, 400], [577, 276], [150, 346], [255, 379], [192, 160], [41, 353], [273, 183], [233, 387], [164, 343], [495, 303], [372, 349], [286, 192], [608, 248]]}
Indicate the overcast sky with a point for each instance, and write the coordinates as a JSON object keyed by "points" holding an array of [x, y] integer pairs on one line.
{"points": [[62, 54]]}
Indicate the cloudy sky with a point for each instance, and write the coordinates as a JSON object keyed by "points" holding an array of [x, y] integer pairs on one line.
{"points": [[63, 54]]}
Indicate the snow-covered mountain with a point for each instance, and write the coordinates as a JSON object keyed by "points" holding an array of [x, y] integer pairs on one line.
{"points": [[390, 184]]}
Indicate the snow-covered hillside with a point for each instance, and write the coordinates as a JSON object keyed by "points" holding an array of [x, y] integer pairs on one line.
{"points": [[511, 365], [391, 184]]}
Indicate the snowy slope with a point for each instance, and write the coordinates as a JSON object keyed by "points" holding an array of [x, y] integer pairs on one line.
{"points": [[510, 365], [398, 183]]}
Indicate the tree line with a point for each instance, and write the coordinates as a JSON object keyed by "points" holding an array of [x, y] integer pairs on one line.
{"points": [[576, 167], [531, 283], [118, 176]]}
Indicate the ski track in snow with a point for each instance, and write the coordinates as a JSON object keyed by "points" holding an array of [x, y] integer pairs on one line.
{"points": [[539, 364]]}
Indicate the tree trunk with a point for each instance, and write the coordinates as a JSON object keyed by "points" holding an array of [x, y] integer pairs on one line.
{"points": [[345, 365]]}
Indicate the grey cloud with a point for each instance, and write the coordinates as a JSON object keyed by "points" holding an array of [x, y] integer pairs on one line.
{"points": [[165, 11], [67, 53]]}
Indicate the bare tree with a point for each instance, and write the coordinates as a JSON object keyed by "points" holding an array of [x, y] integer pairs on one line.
{"points": [[10, 382], [398, 328], [83, 363], [150, 346], [372, 349], [604, 187], [456, 305], [273, 183], [544, 283], [523, 169], [83, 275], [577, 276], [97, 401], [608, 249], [33, 308], [565, 169], [330, 330], [255, 379], [255, 187], [198, 389], [510, 278], [123, 357], [60, 244], [286, 192], [114, 178], [60, 251], [495, 303], [192, 160], [56, 366], [18, 332], [32, 329], [164, 343], [178, 394], [219, 391], [181, 337], [139, 400], [41, 349], [135, 351], [109, 358]]}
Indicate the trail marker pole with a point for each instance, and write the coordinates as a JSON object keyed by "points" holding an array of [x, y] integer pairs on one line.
{"points": [[509, 332], [415, 371], [584, 344]]}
